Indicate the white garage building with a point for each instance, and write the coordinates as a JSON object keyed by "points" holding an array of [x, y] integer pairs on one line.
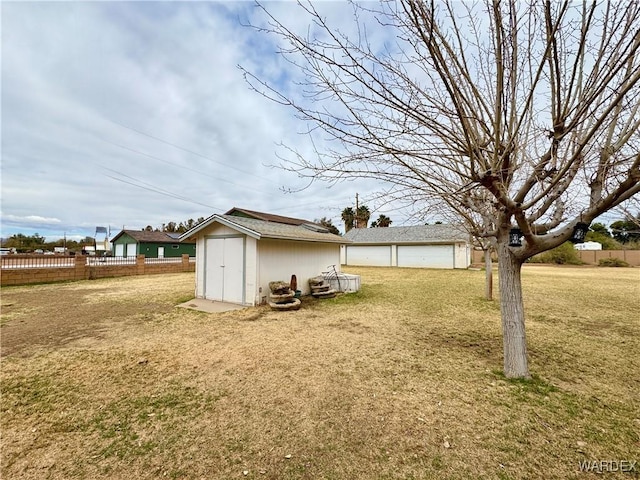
{"points": [[237, 256], [426, 246]]}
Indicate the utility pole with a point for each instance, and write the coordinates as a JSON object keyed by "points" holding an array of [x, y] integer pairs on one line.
{"points": [[357, 219]]}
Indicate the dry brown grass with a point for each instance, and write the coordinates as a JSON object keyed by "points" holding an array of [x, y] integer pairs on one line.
{"points": [[401, 380]]}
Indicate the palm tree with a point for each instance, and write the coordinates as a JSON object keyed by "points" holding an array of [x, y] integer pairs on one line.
{"points": [[362, 216], [382, 221], [348, 217]]}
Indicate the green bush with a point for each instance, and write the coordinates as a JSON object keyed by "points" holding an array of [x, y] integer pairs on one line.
{"points": [[565, 254], [607, 243], [612, 262]]}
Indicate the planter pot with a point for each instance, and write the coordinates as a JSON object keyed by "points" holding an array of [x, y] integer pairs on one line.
{"points": [[291, 304], [327, 294], [281, 298], [320, 288]]}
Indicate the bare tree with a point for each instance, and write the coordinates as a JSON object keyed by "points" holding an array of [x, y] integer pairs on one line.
{"points": [[515, 115]]}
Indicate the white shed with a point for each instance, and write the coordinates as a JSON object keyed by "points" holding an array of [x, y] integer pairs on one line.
{"points": [[237, 257], [588, 246], [426, 246]]}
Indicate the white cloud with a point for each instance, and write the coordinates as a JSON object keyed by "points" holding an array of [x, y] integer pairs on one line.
{"points": [[148, 93], [29, 220]]}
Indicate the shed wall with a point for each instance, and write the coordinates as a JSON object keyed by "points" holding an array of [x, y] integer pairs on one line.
{"points": [[279, 259], [251, 271]]}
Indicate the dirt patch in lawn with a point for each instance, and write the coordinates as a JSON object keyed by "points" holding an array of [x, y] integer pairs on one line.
{"points": [[52, 315]]}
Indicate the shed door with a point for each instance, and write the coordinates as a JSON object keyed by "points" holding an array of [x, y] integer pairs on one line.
{"points": [[429, 256], [224, 275], [369, 255], [131, 249], [119, 250], [160, 252]]}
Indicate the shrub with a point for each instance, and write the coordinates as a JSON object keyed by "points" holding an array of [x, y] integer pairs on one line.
{"points": [[565, 254], [608, 243], [612, 262]]}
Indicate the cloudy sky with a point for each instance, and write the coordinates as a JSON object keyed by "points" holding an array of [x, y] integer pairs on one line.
{"points": [[128, 114]]}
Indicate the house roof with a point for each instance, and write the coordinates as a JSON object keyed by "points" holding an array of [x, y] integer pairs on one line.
{"points": [[267, 217], [411, 234], [144, 236], [256, 228]]}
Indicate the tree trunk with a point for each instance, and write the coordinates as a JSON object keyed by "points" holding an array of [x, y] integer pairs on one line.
{"points": [[488, 268], [512, 311]]}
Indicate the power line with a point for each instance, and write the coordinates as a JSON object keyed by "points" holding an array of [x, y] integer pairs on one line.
{"points": [[194, 170], [183, 167], [155, 189], [186, 150]]}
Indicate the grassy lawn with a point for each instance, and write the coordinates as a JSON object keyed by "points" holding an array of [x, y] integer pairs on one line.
{"points": [[107, 379]]}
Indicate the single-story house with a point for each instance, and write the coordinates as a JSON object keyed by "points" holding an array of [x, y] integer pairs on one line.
{"points": [[426, 246], [239, 254], [129, 243]]}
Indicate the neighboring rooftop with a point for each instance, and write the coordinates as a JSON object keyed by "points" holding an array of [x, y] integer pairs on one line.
{"points": [[149, 237], [411, 234], [267, 217]]}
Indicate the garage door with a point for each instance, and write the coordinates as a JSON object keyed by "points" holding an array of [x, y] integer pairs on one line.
{"points": [[427, 256], [131, 249], [369, 255], [224, 277]]}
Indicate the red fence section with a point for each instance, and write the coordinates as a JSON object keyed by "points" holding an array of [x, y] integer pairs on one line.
{"points": [[23, 270], [632, 257]]}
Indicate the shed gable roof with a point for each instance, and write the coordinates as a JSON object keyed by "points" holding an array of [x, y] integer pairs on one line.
{"points": [[267, 229], [411, 234]]}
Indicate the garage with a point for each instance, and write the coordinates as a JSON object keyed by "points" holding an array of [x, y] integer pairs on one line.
{"points": [[237, 255], [425, 256], [419, 246], [369, 255]]}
